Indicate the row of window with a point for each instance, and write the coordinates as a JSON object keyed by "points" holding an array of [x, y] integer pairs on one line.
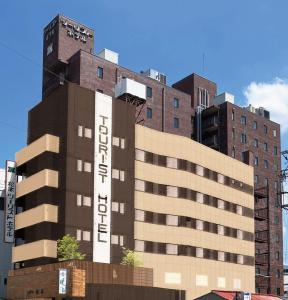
{"points": [[201, 280], [188, 222], [172, 191], [243, 139], [149, 115], [185, 250], [184, 165], [243, 121]]}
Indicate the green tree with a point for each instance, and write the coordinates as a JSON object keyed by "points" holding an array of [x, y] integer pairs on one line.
{"points": [[130, 258], [68, 248]]}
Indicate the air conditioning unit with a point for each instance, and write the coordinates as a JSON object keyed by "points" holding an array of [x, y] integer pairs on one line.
{"points": [[155, 75]]}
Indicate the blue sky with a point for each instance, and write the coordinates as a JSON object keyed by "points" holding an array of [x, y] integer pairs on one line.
{"points": [[243, 41]]}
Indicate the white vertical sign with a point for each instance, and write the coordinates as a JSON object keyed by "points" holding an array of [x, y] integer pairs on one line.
{"points": [[62, 281], [10, 195], [102, 178]]}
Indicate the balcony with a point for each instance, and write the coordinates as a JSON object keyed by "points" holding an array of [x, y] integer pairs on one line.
{"points": [[37, 181], [42, 248], [210, 124], [211, 141], [36, 215], [262, 259], [261, 236], [47, 142], [261, 214], [130, 91]]}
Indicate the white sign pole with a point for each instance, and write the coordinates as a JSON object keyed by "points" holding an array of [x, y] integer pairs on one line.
{"points": [[10, 196], [102, 178]]}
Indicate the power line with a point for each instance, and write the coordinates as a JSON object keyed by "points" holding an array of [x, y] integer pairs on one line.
{"points": [[18, 53]]}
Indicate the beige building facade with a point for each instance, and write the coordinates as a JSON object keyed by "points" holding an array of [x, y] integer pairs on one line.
{"points": [[193, 215]]}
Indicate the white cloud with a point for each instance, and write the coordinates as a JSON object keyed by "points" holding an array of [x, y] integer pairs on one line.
{"points": [[273, 96]]}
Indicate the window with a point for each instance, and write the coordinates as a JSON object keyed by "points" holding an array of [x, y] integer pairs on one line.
{"points": [[221, 256], [114, 239], [139, 215], [256, 143], [86, 201], [220, 204], [256, 161], [243, 120], [199, 224], [173, 278], [172, 162], [266, 181], [278, 273], [78, 234], [139, 246], [176, 122], [79, 200], [201, 280], [233, 152], [276, 220], [233, 133], [277, 255], [243, 138], [275, 150], [220, 229], [172, 220], [100, 72], [237, 284], [140, 155], [254, 126], [86, 236], [118, 174], [199, 252], [80, 131], [88, 133], [221, 282], [79, 165], [265, 147], [199, 170], [233, 115], [118, 142], [171, 249], [172, 191], [149, 113], [256, 179], [240, 259], [239, 234], [176, 103], [239, 210], [276, 185], [87, 167], [265, 129], [199, 198], [274, 133], [220, 178], [140, 185], [265, 164], [149, 92], [49, 49]]}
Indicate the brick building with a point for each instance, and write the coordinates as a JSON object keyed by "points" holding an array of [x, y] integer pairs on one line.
{"points": [[249, 135]]}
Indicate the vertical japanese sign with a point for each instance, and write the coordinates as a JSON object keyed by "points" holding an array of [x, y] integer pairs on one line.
{"points": [[102, 178], [10, 195], [62, 281]]}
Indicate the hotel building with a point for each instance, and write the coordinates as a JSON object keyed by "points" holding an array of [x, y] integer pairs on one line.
{"points": [[110, 160]]}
